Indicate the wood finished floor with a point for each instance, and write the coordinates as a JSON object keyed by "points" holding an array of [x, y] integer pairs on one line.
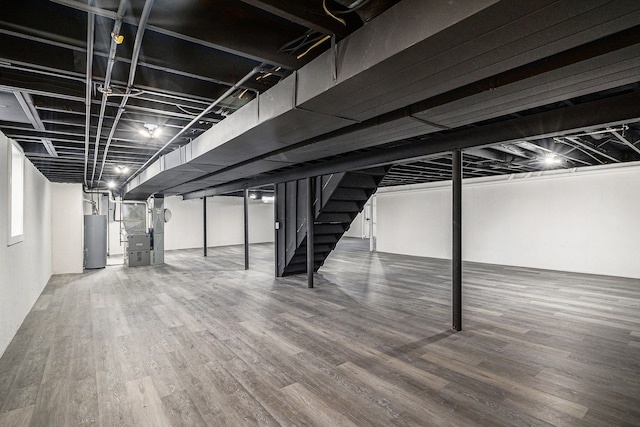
{"points": [[199, 341]]}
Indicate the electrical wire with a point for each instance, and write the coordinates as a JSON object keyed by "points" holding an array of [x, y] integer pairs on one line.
{"points": [[264, 76], [309, 38], [313, 46], [302, 39], [353, 9], [328, 12], [184, 110], [303, 44]]}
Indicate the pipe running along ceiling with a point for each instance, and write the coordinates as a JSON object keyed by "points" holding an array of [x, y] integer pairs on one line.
{"points": [[177, 101]]}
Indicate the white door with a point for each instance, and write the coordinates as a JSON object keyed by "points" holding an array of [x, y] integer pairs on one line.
{"points": [[366, 224], [373, 231]]}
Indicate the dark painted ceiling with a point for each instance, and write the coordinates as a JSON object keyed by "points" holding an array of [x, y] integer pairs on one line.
{"points": [[193, 52]]}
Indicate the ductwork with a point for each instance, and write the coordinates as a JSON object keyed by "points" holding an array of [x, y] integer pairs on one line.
{"points": [[358, 95]]}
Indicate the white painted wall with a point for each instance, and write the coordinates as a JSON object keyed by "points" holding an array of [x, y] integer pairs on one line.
{"points": [[225, 222], [356, 229], [582, 221], [67, 228], [414, 223], [115, 247], [25, 267], [112, 210]]}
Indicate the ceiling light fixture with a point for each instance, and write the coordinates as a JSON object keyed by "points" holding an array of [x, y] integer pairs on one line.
{"points": [[111, 184], [551, 159], [151, 130], [121, 169]]}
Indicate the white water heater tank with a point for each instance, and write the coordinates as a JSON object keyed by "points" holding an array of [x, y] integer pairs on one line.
{"points": [[95, 241]]}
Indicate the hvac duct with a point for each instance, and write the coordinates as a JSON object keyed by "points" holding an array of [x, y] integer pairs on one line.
{"points": [[415, 51]]}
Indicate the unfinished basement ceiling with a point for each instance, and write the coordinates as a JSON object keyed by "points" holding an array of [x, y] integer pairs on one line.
{"points": [[190, 54], [600, 146], [71, 97]]}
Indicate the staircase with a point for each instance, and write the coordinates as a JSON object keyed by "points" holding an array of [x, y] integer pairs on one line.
{"points": [[338, 198]]}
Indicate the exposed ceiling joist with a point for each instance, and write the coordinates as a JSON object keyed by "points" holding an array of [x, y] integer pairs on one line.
{"points": [[576, 118], [300, 13], [577, 141], [567, 53], [625, 141], [218, 38]]}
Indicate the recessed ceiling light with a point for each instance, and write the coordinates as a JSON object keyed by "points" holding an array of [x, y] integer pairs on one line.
{"points": [[551, 159]]}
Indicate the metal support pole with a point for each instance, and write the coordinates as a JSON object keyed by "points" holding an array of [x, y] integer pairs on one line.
{"points": [[456, 257], [310, 219], [276, 227], [157, 217], [246, 229], [204, 222]]}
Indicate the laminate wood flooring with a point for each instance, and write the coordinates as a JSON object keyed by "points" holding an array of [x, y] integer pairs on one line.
{"points": [[201, 342]]}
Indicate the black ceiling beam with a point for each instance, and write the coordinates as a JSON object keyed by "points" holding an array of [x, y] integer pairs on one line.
{"points": [[606, 112], [488, 154], [299, 13], [44, 86], [249, 48], [61, 65], [587, 51], [626, 141], [49, 38], [227, 29], [47, 87], [52, 131], [16, 50], [607, 154]]}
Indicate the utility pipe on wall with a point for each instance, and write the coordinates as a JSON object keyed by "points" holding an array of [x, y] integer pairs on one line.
{"points": [[91, 21], [107, 80], [144, 18]]}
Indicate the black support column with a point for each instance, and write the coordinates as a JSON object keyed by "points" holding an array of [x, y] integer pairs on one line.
{"points": [[276, 227], [310, 220], [246, 229], [456, 257], [204, 223]]}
